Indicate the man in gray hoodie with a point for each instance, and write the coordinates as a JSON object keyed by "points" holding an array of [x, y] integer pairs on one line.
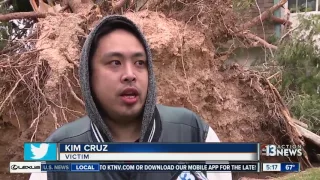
{"points": [[119, 91]]}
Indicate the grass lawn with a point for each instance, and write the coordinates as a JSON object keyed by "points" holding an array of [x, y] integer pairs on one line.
{"points": [[309, 174]]}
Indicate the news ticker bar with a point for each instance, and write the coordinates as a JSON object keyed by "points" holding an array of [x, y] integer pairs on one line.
{"points": [[38, 167], [144, 152]]}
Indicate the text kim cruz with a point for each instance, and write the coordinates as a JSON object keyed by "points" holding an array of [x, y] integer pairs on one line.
{"points": [[81, 151], [84, 148]]}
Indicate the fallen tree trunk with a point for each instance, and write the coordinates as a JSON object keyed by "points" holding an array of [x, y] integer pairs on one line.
{"points": [[300, 123], [315, 139], [23, 15]]}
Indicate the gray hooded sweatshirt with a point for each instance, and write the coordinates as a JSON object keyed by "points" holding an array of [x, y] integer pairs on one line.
{"points": [[159, 124]]}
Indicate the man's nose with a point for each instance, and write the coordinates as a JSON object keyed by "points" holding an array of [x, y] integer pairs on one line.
{"points": [[128, 74]]}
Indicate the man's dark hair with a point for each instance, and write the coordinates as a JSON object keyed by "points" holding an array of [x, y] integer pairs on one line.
{"points": [[109, 29]]}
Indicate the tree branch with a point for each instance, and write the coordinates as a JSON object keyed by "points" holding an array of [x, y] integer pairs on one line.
{"points": [[256, 38], [261, 17], [280, 20], [23, 15]]}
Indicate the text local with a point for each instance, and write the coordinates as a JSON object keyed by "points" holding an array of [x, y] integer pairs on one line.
{"points": [[164, 167], [87, 148], [85, 167]]}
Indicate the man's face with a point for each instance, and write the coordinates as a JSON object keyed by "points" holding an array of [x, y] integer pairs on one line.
{"points": [[120, 75]]}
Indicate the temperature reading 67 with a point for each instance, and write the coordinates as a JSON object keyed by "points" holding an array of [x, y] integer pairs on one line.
{"points": [[289, 167]]}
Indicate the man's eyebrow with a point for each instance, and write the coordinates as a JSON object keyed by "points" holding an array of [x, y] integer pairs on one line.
{"points": [[117, 54], [139, 54], [112, 54]]}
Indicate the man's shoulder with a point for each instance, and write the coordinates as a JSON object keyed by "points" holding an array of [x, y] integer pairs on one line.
{"points": [[75, 131], [180, 115]]}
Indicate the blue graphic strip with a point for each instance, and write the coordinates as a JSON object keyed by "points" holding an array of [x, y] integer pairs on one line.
{"points": [[143, 167], [161, 148], [55, 167], [290, 167], [85, 167]]}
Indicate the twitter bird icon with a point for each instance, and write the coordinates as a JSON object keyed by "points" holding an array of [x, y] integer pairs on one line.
{"points": [[40, 151]]}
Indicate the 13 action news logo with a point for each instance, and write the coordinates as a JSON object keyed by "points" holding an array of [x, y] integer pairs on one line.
{"points": [[281, 150], [40, 151]]}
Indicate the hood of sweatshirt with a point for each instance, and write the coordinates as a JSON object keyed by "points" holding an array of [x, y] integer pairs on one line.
{"points": [[148, 121]]}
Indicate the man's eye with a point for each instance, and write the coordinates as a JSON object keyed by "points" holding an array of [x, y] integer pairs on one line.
{"points": [[115, 62], [141, 63]]}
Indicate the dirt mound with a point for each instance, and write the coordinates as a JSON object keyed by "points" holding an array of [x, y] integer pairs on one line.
{"points": [[236, 103], [216, 18], [188, 75], [8, 138], [41, 85]]}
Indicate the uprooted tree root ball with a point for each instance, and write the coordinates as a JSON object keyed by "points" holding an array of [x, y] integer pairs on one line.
{"points": [[41, 89]]}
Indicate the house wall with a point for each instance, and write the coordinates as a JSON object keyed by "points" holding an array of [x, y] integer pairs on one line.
{"points": [[248, 56], [294, 17], [266, 29]]}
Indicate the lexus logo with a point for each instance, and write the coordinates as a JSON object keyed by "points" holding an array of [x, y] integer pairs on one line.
{"points": [[24, 167], [14, 167]]}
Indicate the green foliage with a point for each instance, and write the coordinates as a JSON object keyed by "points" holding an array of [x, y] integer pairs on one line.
{"points": [[299, 58], [5, 27], [308, 174], [240, 5], [310, 23], [10, 29], [21, 6], [307, 107], [272, 39]]}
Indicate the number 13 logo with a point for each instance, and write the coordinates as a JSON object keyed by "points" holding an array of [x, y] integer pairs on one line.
{"points": [[271, 150]]}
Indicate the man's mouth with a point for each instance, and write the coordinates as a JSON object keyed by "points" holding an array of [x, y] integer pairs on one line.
{"points": [[130, 92], [129, 95]]}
